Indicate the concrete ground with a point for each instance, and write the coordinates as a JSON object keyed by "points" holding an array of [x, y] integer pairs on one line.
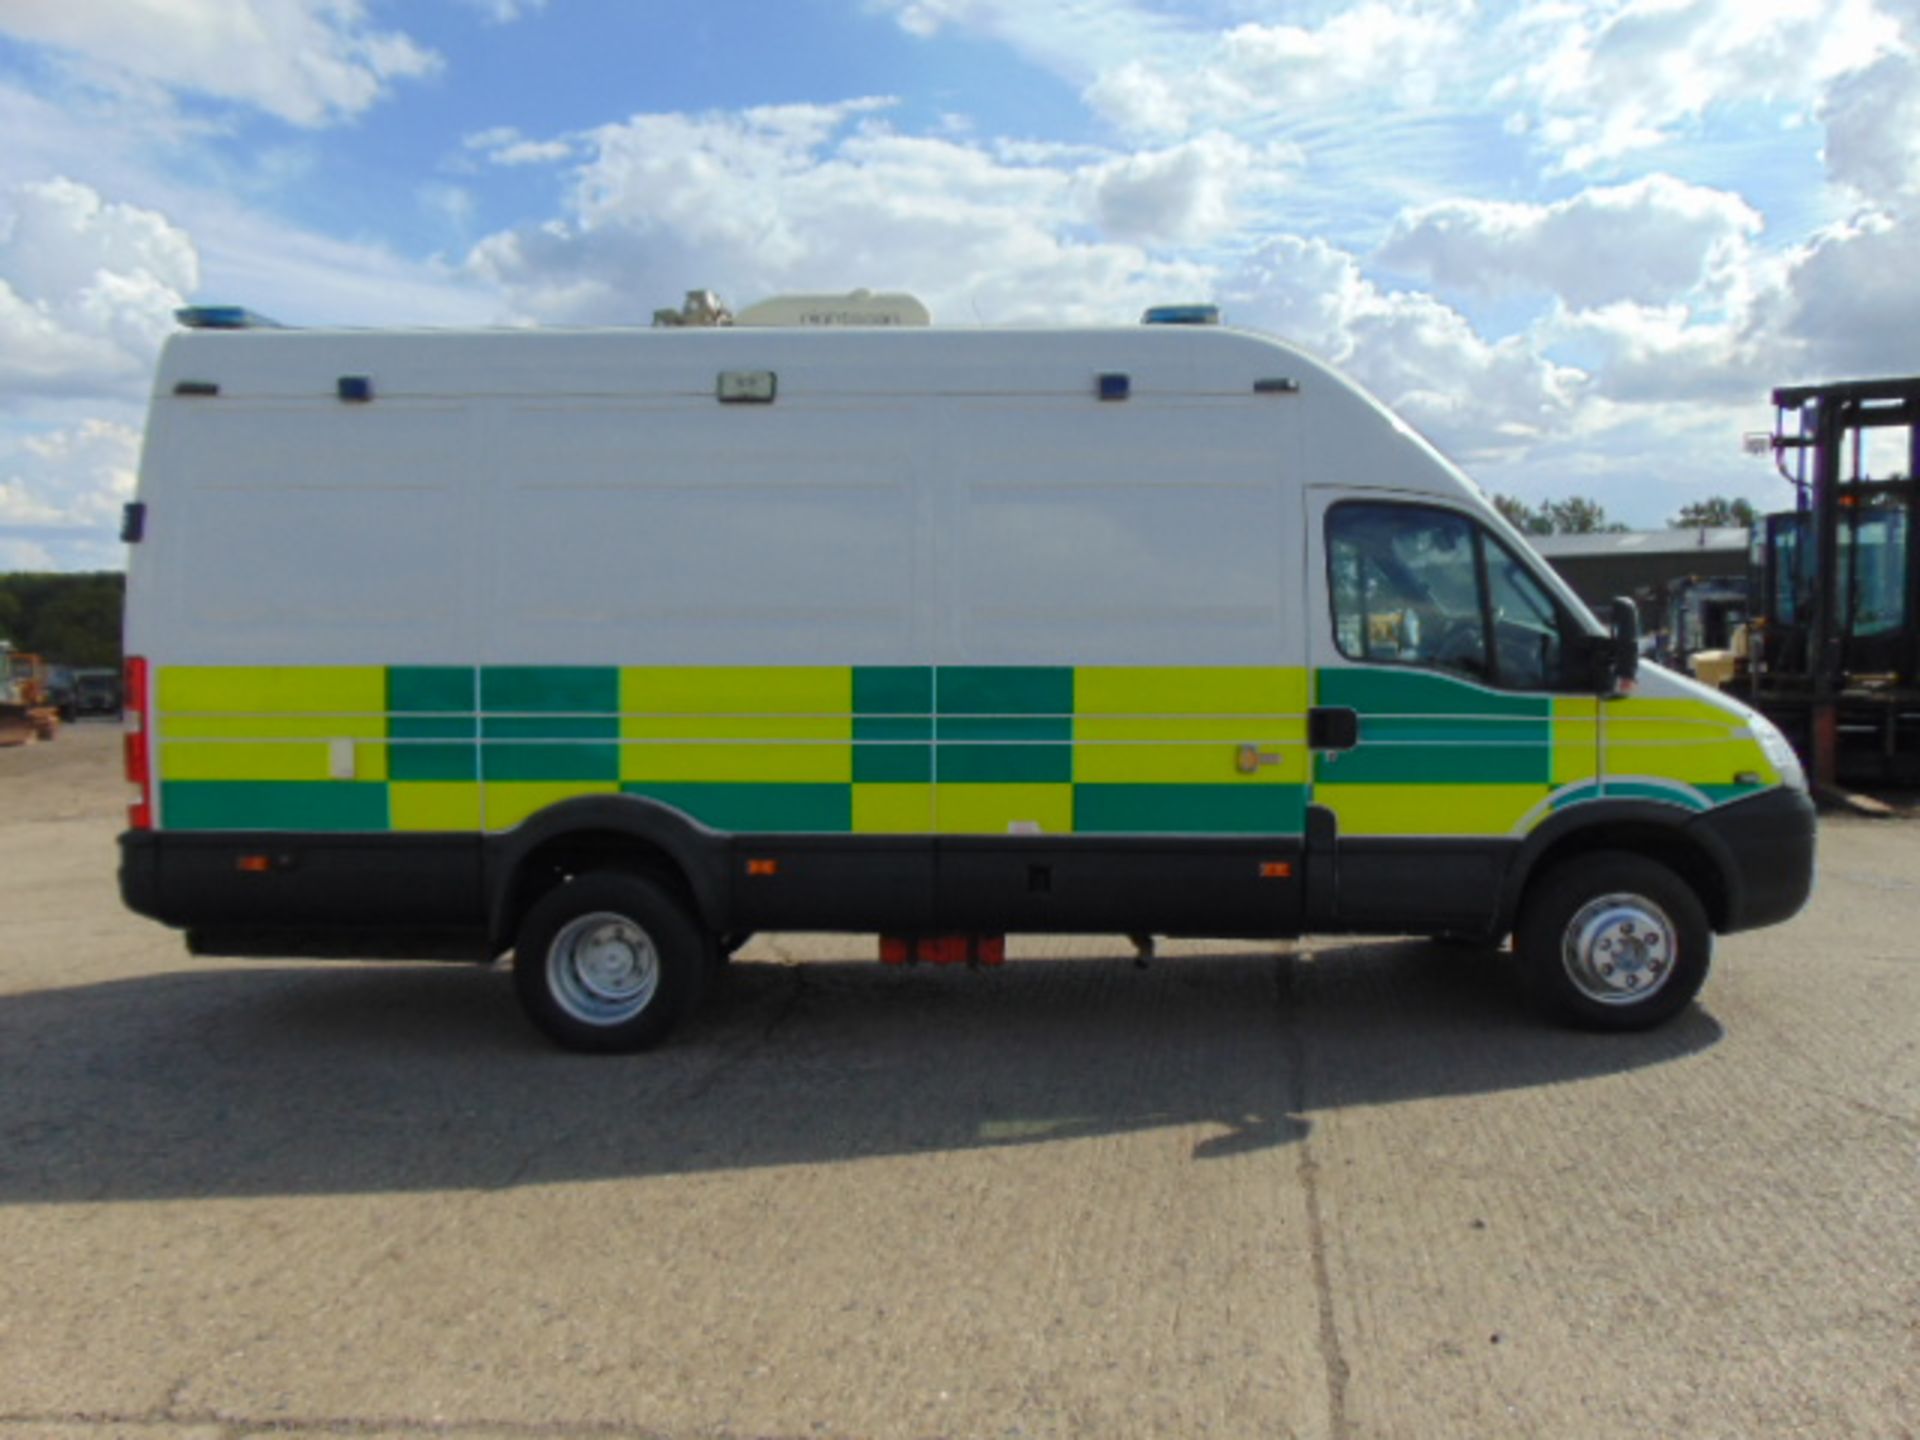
{"points": [[1332, 1190]]}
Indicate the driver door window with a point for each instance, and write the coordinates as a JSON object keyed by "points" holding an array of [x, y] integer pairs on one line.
{"points": [[1406, 588], [1419, 586]]}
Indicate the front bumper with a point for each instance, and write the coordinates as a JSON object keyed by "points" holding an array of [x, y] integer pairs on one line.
{"points": [[1766, 850]]}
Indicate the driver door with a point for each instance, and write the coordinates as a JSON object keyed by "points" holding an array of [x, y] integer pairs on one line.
{"points": [[1445, 720]]}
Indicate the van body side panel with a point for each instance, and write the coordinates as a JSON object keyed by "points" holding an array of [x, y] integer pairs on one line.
{"points": [[1109, 796]]}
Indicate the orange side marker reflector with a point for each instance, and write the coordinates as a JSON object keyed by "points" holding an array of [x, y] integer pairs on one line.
{"points": [[1276, 870], [763, 867], [253, 864]]}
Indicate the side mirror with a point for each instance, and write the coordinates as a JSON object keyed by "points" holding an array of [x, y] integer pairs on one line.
{"points": [[1624, 623]]}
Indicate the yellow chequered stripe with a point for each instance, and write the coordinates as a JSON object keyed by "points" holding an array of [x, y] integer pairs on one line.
{"points": [[1176, 690], [276, 760], [1003, 809], [271, 723], [275, 689], [1186, 726], [1680, 739], [737, 724], [1412, 810], [892, 809], [1576, 739], [435, 805]]}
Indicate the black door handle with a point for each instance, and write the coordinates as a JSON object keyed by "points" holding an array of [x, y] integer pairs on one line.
{"points": [[1332, 727]]}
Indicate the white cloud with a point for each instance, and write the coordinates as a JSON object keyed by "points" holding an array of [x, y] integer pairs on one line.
{"points": [[19, 553], [87, 289], [1873, 130], [73, 479], [61, 492], [1649, 242], [1661, 354], [1847, 305], [1076, 39], [1254, 70], [1187, 193], [309, 62], [505, 12], [1613, 78], [1475, 397], [504, 145], [826, 197]]}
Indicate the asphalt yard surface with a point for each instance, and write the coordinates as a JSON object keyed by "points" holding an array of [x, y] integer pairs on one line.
{"points": [[1331, 1190]]}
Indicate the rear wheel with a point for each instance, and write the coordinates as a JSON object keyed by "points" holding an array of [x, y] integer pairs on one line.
{"points": [[608, 962], [1612, 941]]}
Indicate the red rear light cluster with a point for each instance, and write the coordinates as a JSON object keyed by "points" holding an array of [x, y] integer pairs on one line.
{"points": [[974, 950], [137, 744]]}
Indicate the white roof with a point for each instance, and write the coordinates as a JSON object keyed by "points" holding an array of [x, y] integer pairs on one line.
{"points": [[818, 360]]}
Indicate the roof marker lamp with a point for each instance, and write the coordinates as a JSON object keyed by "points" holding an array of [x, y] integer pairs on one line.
{"points": [[1182, 315]]}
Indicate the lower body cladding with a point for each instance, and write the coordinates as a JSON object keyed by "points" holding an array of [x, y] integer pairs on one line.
{"points": [[667, 880]]}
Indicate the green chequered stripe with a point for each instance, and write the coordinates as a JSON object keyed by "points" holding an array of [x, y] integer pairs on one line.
{"points": [[893, 724], [329, 805], [550, 723], [1417, 728], [431, 705], [1189, 809], [1003, 726], [831, 750]]}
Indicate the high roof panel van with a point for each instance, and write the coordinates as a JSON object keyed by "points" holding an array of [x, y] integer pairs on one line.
{"points": [[603, 647]]}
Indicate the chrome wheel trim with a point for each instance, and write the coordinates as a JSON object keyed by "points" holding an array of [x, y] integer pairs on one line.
{"points": [[1620, 949], [603, 968]]}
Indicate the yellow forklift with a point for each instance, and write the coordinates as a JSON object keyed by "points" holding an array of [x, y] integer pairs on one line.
{"points": [[28, 711]]}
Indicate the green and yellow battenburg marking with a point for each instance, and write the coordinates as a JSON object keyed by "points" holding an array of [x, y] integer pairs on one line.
{"points": [[907, 749]]}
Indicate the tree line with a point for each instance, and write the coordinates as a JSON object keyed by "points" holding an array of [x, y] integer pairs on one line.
{"points": [[65, 619], [1581, 515]]}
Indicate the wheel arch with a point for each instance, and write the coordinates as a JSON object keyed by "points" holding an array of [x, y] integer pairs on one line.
{"points": [[603, 832], [1658, 832]]}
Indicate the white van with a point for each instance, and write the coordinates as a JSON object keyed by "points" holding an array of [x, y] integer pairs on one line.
{"points": [[607, 647]]}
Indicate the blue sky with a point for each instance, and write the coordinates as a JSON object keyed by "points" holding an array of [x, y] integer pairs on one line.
{"points": [[1573, 241]]}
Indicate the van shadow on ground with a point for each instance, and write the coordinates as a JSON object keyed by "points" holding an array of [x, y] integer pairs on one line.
{"points": [[280, 1080]]}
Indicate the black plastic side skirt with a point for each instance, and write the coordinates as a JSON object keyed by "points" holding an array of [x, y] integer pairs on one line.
{"points": [[244, 879], [1166, 885]]}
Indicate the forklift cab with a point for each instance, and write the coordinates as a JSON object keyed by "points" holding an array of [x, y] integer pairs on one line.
{"points": [[1873, 590]]}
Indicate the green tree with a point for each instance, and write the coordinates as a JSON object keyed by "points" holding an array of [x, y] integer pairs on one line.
{"points": [[1575, 515], [1717, 512], [1522, 516], [1579, 515], [69, 619]]}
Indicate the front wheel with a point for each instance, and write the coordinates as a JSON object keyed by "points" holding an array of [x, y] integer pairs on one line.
{"points": [[1612, 941], [608, 963]]}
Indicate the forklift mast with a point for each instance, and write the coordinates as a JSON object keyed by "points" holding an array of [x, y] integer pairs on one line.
{"points": [[1839, 576]]}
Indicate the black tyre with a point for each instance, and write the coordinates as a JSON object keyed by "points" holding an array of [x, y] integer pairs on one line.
{"points": [[1613, 941], [608, 963]]}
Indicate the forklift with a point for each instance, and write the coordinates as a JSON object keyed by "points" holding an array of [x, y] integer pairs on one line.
{"points": [[1833, 653]]}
